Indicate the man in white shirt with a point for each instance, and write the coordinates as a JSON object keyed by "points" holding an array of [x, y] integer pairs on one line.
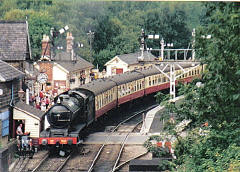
{"points": [[19, 131]]}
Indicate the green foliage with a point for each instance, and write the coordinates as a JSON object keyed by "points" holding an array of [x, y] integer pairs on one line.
{"points": [[159, 152], [217, 102], [39, 23], [162, 98], [117, 25]]}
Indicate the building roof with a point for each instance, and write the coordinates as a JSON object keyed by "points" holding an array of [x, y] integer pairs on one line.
{"points": [[126, 77], [65, 60], [99, 86], [8, 72], [13, 41], [29, 109], [132, 58]]}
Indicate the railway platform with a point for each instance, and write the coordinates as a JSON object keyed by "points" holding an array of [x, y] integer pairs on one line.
{"points": [[116, 138], [151, 126]]}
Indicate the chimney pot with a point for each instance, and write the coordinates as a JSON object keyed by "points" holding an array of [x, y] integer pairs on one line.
{"points": [[46, 49], [69, 39]]}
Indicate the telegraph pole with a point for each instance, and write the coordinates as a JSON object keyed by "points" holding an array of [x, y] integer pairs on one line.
{"points": [[193, 44], [90, 35], [142, 45]]}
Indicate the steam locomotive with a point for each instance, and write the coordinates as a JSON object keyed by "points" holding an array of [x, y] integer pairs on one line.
{"points": [[75, 109]]}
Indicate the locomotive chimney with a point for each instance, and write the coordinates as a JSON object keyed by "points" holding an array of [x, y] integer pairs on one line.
{"points": [[46, 51]]}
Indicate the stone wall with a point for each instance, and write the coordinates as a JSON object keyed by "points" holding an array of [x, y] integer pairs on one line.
{"points": [[4, 159], [7, 156], [12, 148]]}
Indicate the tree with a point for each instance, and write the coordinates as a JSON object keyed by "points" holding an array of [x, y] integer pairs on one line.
{"points": [[40, 23], [217, 102], [172, 26]]}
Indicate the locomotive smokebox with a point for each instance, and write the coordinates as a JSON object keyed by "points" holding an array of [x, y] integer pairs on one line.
{"points": [[59, 116]]}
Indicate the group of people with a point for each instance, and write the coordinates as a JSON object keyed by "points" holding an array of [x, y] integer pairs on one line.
{"points": [[43, 101]]}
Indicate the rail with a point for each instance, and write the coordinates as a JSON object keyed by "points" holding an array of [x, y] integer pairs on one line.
{"points": [[108, 137], [40, 163]]}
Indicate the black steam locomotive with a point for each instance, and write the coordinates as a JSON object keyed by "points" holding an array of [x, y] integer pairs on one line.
{"points": [[71, 112]]}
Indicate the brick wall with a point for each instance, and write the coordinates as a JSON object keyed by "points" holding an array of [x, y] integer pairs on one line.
{"points": [[46, 50]]}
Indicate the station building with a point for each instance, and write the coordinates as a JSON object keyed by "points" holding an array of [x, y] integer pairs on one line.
{"points": [[31, 118], [9, 94], [64, 70], [127, 62], [15, 49], [14, 44]]}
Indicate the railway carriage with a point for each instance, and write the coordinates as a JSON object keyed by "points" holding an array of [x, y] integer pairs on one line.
{"points": [[77, 108], [105, 93], [130, 85]]}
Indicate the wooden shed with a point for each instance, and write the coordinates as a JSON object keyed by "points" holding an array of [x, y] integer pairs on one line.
{"points": [[31, 118]]}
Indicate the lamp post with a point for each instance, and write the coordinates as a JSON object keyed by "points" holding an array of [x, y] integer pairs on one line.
{"points": [[162, 48], [90, 35]]}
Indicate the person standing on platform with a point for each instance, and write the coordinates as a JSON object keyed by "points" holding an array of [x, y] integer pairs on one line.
{"points": [[47, 102], [84, 78], [19, 131], [43, 104]]}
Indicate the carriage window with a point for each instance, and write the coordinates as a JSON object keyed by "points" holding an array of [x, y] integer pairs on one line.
{"points": [[159, 80], [132, 88]]}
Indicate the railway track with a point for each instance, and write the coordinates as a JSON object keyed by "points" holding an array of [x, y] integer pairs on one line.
{"points": [[51, 164], [21, 164], [93, 157], [104, 161]]}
